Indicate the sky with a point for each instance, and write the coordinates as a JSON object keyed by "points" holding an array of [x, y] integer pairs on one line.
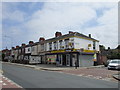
{"points": [[26, 21]]}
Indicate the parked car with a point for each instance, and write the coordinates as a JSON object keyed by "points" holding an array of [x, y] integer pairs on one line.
{"points": [[114, 64], [106, 63]]}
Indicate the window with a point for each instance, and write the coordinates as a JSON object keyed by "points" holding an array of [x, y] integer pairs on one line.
{"points": [[50, 46], [60, 44], [28, 49], [94, 44], [66, 43], [42, 47], [55, 45]]}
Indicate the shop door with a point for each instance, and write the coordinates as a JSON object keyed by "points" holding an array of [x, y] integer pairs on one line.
{"points": [[74, 58], [67, 59]]}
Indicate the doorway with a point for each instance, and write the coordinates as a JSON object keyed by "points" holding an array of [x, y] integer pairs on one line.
{"points": [[60, 59], [67, 59]]}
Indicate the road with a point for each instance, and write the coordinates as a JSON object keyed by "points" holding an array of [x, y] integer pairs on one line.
{"points": [[31, 78]]}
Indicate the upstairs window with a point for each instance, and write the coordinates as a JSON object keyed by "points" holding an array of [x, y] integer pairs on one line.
{"points": [[28, 49], [50, 46], [60, 44], [42, 47], [94, 44], [55, 45], [66, 43]]}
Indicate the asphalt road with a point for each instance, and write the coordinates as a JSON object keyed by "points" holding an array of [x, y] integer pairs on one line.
{"points": [[30, 78]]}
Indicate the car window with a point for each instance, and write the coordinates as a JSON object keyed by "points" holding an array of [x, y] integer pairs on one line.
{"points": [[115, 62]]}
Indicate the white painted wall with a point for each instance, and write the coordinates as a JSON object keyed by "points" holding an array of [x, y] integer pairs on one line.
{"points": [[97, 46], [34, 50], [34, 59], [83, 43], [26, 49], [78, 43]]}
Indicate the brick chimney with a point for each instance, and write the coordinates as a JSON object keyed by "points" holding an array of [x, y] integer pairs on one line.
{"points": [[58, 34], [70, 32], [89, 35], [17, 47], [23, 44], [41, 39], [31, 42], [13, 47]]}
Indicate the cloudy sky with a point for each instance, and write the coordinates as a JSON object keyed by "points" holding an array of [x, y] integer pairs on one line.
{"points": [[25, 21]]}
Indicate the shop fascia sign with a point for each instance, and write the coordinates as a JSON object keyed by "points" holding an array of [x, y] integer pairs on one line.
{"points": [[65, 50]]}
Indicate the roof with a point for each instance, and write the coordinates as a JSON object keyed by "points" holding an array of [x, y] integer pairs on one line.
{"points": [[71, 35]]}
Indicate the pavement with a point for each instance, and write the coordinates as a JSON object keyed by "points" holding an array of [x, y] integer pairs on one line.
{"points": [[117, 76], [7, 83], [51, 67], [97, 72]]}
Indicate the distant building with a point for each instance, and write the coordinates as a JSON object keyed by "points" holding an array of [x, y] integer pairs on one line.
{"points": [[62, 50]]}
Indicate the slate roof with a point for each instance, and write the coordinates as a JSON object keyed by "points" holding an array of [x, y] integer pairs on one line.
{"points": [[70, 35]]}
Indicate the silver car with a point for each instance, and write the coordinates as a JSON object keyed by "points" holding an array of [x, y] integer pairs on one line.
{"points": [[114, 64]]}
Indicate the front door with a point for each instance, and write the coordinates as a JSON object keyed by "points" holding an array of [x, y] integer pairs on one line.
{"points": [[67, 59], [74, 58]]}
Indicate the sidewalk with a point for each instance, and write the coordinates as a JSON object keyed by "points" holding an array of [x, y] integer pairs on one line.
{"points": [[117, 76], [97, 73], [51, 67], [7, 83]]}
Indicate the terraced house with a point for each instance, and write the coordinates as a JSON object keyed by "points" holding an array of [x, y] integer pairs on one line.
{"points": [[71, 47], [62, 50]]}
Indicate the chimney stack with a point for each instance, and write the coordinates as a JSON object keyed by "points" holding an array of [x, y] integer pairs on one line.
{"points": [[17, 47], [23, 44], [13, 47], [31, 42], [70, 32], [90, 35], [58, 34], [41, 39]]}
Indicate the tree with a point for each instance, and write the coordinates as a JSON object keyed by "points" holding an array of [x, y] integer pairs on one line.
{"points": [[3, 56], [118, 47], [102, 47], [108, 48]]}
